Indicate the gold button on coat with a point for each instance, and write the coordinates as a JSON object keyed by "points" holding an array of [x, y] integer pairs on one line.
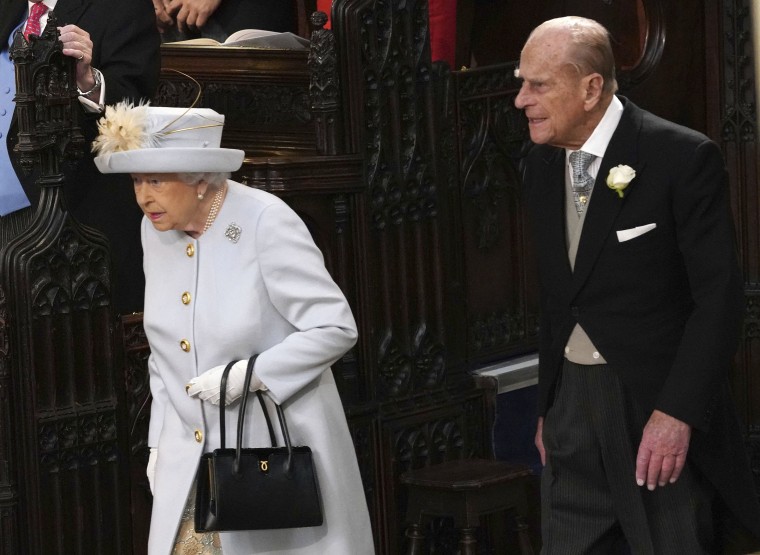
{"points": [[198, 436], [190, 250], [186, 297], [185, 345]]}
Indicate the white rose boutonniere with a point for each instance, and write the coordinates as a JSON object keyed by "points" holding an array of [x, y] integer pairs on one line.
{"points": [[619, 178]]}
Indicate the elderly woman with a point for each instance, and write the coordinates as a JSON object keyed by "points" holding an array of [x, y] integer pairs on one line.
{"points": [[231, 272]]}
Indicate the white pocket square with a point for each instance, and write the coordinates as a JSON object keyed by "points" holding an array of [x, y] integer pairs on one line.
{"points": [[628, 234]]}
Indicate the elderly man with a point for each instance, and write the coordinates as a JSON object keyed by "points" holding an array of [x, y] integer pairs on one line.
{"points": [[641, 306]]}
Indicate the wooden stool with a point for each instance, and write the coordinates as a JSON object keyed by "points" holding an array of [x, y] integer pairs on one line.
{"points": [[465, 490]]}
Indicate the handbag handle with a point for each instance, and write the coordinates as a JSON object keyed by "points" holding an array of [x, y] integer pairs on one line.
{"points": [[223, 400], [283, 428], [241, 420]]}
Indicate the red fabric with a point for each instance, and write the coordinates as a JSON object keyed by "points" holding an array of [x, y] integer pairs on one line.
{"points": [[33, 23], [325, 6], [443, 30]]}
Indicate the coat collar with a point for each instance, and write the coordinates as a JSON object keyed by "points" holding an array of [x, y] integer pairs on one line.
{"points": [[70, 11], [552, 210], [11, 14]]}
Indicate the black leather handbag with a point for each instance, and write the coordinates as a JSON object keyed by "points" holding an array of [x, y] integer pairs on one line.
{"points": [[256, 488]]}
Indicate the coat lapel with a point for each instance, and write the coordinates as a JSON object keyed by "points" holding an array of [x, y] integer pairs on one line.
{"points": [[11, 14], [70, 11], [549, 205], [605, 203]]}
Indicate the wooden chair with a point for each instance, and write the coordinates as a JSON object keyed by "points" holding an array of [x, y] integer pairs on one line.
{"points": [[465, 490]]}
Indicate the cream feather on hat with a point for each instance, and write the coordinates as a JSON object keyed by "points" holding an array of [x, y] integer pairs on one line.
{"points": [[157, 139]]}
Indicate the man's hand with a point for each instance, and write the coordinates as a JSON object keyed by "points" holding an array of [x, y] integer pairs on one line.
{"points": [[662, 452], [539, 440], [192, 14], [163, 19], [77, 44]]}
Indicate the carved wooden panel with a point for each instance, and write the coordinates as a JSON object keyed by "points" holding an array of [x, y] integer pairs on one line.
{"points": [[264, 94], [136, 384], [501, 291], [389, 95], [396, 115], [733, 123], [67, 422], [62, 442]]}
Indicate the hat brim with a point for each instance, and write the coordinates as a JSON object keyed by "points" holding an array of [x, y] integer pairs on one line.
{"points": [[171, 160]]}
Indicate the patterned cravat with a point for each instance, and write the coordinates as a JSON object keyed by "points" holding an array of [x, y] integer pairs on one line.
{"points": [[33, 23], [582, 181]]}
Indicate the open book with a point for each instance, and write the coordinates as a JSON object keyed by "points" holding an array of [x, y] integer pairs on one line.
{"points": [[252, 38]]}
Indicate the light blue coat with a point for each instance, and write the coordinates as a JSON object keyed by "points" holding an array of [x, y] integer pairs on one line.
{"points": [[211, 300]]}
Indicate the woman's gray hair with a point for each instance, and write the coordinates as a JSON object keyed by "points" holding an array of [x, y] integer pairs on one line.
{"points": [[214, 179], [590, 48]]}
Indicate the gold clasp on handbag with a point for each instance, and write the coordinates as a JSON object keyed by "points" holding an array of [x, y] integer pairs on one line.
{"points": [[264, 466]]}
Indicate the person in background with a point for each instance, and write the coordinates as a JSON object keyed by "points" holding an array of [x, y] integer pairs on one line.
{"points": [[218, 19], [116, 46], [642, 303], [231, 271]]}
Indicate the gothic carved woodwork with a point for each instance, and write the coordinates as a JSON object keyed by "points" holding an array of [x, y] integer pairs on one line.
{"points": [[136, 382], [734, 127], [323, 86], [61, 443], [46, 93], [265, 98], [502, 304], [407, 176], [387, 82], [395, 106]]}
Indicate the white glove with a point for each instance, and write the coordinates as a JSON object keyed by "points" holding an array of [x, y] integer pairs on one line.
{"points": [[206, 386], [151, 470]]}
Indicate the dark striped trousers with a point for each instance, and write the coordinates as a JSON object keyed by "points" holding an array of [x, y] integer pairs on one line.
{"points": [[590, 503]]}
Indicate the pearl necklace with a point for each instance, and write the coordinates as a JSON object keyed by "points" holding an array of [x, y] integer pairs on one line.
{"points": [[215, 204]]}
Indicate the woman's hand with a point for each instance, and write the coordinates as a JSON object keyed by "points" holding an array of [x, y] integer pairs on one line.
{"points": [[207, 386]]}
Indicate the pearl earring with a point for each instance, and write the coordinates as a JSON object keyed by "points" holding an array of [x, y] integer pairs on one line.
{"points": [[200, 196]]}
